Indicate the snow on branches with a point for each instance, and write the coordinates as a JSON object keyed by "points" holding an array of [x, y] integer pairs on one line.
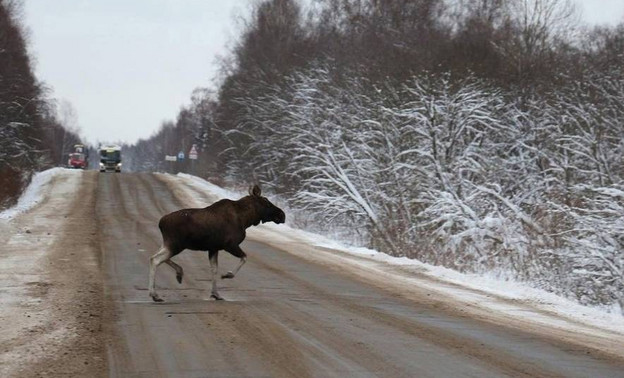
{"points": [[453, 172]]}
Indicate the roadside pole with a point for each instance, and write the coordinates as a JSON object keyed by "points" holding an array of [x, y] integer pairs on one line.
{"points": [[172, 159], [192, 158], [181, 161]]}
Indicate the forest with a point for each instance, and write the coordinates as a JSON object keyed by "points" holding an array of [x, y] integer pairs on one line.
{"points": [[36, 131]]}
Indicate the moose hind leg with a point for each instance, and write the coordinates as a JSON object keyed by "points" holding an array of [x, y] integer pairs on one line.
{"points": [[177, 268], [238, 252], [214, 268], [161, 256]]}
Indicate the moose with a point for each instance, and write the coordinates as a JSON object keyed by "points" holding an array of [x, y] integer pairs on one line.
{"points": [[220, 226]]}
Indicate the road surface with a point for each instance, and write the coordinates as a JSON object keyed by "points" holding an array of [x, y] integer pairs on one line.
{"points": [[288, 313], [287, 317]]}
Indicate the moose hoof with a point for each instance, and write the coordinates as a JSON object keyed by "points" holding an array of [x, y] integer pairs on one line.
{"points": [[227, 275], [156, 298], [179, 278], [216, 296]]}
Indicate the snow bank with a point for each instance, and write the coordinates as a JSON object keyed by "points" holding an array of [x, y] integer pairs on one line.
{"points": [[481, 290], [476, 289], [33, 193], [211, 188]]}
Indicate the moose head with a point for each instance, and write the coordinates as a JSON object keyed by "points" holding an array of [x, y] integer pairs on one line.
{"points": [[266, 210]]}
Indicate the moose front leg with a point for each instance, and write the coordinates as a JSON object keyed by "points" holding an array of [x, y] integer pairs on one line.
{"points": [[238, 252]]}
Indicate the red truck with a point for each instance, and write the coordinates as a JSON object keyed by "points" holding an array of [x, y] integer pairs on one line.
{"points": [[77, 160]]}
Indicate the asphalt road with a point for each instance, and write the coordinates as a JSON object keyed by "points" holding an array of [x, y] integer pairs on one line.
{"points": [[288, 317]]}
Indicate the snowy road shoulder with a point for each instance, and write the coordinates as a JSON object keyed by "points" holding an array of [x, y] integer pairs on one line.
{"points": [[28, 232], [38, 190], [490, 299]]}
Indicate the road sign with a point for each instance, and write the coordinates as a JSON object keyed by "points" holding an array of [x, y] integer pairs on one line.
{"points": [[170, 158], [193, 153], [181, 156]]}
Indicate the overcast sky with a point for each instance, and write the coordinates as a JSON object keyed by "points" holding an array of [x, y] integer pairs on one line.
{"points": [[127, 65]]}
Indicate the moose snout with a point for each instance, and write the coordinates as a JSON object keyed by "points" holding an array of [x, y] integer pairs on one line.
{"points": [[280, 217]]}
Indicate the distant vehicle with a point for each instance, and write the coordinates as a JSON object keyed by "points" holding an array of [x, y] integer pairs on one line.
{"points": [[80, 148], [110, 158], [77, 160]]}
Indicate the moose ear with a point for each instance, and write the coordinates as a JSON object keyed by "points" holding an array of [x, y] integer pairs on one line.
{"points": [[255, 191]]}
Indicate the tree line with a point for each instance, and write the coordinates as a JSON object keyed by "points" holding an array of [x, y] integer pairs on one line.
{"points": [[483, 135], [34, 134]]}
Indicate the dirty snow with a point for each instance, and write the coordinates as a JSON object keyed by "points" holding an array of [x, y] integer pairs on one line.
{"points": [[491, 293], [209, 187], [34, 192], [27, 232]]}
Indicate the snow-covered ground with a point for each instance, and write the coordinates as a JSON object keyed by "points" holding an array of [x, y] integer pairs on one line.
{"points": [[35, 192], [27, 233], [509, 298]]}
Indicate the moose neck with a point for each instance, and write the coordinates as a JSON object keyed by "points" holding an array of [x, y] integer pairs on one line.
{"points": [[250, 214]]}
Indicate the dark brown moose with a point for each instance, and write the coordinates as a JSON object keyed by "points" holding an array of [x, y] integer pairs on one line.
{"points": [[220, 226]]}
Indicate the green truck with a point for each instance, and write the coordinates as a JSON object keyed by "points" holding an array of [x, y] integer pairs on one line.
{"points": [[110, 159]]}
